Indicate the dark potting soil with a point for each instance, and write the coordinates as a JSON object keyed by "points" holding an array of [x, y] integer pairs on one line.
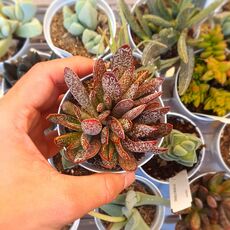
{"points": [[225, 145], [147, 212], [163, 170], [16, 45], [64, 40]]}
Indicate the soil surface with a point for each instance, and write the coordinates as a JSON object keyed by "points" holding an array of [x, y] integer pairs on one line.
{"points": [[225, 145], [64, 40], [163, 170], [147, 212], [16, 45]]}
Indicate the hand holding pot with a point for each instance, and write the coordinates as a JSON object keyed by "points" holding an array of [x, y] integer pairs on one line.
{"points": [[32, 194]]}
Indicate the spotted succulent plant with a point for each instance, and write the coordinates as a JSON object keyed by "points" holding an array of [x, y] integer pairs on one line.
{"points": [[211, 205], [119, 118]]}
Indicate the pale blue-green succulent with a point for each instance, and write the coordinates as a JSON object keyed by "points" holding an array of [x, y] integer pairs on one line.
{"points": [[23, 11], [181, 148], [122, 211], [87, 13], [71, 22], [93, 42]]}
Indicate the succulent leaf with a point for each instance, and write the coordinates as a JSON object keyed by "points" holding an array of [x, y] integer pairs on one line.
{"points": [[91, 126], [135, 112], [122, 107]]}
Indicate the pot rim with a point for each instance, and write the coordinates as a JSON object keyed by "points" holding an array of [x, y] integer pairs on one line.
{"points": [[75, 224], [57, 5], [219, 154], [160, 213], [90, 166], [194, 170]]}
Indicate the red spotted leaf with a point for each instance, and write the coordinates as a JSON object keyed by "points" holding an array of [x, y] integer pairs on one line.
{"points": [[65, 120], [122, 107], [111, 86], [139, 146], [91, 126], [80, 113], [98, 72], [103, 117], [110, 164], [107, 101], [149, 87], [104, 152], [153, 105], [141, 77], [105, 135], [93, 97], [162, 130], [134, 113], [67, 139], [158, 150], [79, 155], [122, 60], [142, 131], [153, 115], [100, 107], [128, 165], [85, 141], [147, 99], [116, 127], [131, 92], [78, 91], [126, 80], [126, 124]]}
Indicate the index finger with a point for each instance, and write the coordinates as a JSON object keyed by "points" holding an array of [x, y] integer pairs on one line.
{"points": [[40, 88]]}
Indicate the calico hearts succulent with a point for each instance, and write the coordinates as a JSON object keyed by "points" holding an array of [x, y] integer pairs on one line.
{"points": [[118, 119]]}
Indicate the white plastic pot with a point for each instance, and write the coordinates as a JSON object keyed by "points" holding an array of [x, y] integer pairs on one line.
{"points": [[217, 149], [56, 6], [196, 168], [89, 166], [160, 212]]}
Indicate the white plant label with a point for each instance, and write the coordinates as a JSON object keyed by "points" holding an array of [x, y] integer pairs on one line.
{"points": [[179, 191]]}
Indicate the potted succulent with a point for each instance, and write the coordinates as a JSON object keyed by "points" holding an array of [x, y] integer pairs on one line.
{"points": [[205, 88], [18, 24], [78, 27], [14, 70], [186, 150], [210, 205], [222, 146], [112, 130], [140, 206]]}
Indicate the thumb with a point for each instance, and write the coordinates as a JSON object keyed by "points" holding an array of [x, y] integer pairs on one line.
{"points": [[83, 194]]}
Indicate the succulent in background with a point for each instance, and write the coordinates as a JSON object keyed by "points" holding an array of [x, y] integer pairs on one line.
{"points": [[14, 71], [218, 101], [118, 118], [213, 44], [181, 148], [17, 20], [122, 212], [210, 207], [83, 22], [226, 26]]}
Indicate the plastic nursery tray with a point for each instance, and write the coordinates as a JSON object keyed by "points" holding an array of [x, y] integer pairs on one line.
{"points": [[209, 130]]}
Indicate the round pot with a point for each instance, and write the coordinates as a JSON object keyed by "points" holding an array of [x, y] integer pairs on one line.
{"points": [[160, 212], [23, 55], [196, 168], [183, 107], [57, 5], [90, 166], [217, 149], [20, 53]]}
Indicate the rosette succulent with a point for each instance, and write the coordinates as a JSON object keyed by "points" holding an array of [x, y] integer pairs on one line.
{"points": [[83, 22], [181, 148], [123, 212], [120, 118], [211, 204]]}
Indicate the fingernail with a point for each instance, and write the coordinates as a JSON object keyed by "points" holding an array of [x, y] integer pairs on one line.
{"points": [[129, 178]]}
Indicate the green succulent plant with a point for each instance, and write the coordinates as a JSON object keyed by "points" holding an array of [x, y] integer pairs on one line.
{"points": [[117, 118], [218, 101], [122, 212], [17, 20], [210, 206], [83, 22], [181, 148]]}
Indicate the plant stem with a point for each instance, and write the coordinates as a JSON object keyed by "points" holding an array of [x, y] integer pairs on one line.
{"points": [[112, 219]]}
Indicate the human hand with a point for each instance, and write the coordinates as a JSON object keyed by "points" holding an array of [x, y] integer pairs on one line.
{"points": [[32, 194]]}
